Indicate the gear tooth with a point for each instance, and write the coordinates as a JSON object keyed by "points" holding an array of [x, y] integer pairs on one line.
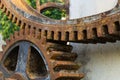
{"points": [[59, 47], [91, 35], [14, 20], [103, 34], [114, 28], [44, 33], [50, 35], [57, 35], [16, 34], [18, 23], [65, 65], [80, 37], [68, 76], [63, 36], [1, 6], [12, 37], [63, 56], [5, 9], [7, 41], [23, 25], [3, 47], [37, 33], [22, 32], [32, 31], [10, 16], [7, 13], [72, 37], [27, 30], [62, 61]]}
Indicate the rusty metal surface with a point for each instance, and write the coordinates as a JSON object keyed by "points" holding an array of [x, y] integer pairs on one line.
{"points": [[94, 29], [42, 31], [60, 60], [52, 5]]}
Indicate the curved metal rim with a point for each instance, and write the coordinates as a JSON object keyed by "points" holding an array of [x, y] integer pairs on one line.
{"points": [[43, 19]]}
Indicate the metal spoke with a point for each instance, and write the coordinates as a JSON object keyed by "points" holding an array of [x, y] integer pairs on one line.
{"points": [[26, 51], [5, 72], [24, 48]]}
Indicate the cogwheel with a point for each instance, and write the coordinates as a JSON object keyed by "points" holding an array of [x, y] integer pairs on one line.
{"points": [[29, 57], [100, 28]]}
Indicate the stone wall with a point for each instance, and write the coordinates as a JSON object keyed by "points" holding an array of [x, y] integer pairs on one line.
{"points": [[99, 61]]}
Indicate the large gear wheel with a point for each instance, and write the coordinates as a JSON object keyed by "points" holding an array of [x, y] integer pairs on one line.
{"points": [[99, 28], [28, 57]]}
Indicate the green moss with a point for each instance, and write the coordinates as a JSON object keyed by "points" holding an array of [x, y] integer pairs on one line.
{"points": [[53, 13], [6, 26]]}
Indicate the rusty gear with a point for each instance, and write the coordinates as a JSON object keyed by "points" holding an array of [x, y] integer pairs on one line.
{"points": [[26, 56], [101, 28], [94, 29]]}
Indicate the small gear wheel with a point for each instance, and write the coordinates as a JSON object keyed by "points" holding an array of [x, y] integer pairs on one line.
{"points": [[30, 57]]}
